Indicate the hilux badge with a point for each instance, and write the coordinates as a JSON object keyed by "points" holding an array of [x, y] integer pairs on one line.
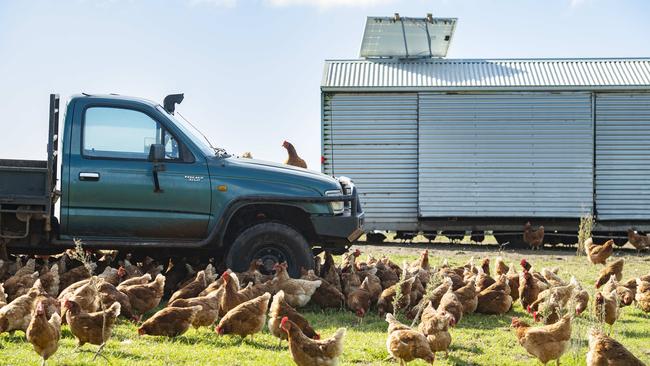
{"points": [[194, 178]]}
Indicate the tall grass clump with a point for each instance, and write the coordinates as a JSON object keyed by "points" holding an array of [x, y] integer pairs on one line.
{"points": [[80, 254], [584, 232], [397, 310]]}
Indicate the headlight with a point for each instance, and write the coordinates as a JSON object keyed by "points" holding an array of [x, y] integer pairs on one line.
{"points": [[338, 206]]}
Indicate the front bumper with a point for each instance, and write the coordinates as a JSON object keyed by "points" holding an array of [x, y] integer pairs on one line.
{"points": [[346, 227]]}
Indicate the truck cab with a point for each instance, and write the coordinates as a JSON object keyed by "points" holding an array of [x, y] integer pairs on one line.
{"points": [[136, 176]]}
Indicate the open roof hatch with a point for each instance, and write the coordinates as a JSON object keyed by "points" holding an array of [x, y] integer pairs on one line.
{"points": [[400, 37]]}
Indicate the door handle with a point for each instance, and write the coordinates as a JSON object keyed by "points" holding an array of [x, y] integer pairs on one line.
{"points": [[89, 176]]}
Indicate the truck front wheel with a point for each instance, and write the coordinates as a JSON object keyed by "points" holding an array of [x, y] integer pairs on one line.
{"points": [[272, 243]]}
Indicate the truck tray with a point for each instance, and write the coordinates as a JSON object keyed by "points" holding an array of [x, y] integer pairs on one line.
{"points": [[24, 182]]}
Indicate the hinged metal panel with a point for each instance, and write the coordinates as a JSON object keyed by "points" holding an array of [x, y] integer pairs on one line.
{"points": [[372, 138], [505, 155], [623, 156]]}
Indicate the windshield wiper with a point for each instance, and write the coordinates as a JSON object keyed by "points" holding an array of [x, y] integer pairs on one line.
{"points": [[218, 151]]}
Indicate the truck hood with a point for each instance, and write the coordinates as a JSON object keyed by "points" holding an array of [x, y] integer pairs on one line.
{"points": [[274, 172]]}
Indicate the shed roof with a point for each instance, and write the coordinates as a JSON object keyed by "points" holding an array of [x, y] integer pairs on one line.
{"points": [[482, 74]]}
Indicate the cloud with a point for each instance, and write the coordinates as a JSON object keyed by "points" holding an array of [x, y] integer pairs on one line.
{"points": [[217, 3], [328, 3]]}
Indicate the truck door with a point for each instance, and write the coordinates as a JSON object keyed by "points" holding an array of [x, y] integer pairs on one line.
{"points": [[112, 191]]}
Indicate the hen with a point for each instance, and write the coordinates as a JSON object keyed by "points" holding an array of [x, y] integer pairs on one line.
{"points": [[359, 300], [624, 294], [94, 328], [550, 302], [253, 275], [209, 307], [385, 303], [495, 299], [422, 262], [548, 342], [327, 295], [233, 296], [297, 292], [50, 280], [606, 308], [170, 321], [405, 344], [214, 286], [140, 280], [19, 284], [113, 275], [468, 296], [534, 238], [246, 318], [483, 280], [550, 275], [293, 158], [513, 281], [109, 294], [612, 269], [452, 305], [387, 276], [528, 289], [598, 254], [192, 289], [145, 297], [75, 275], [44, 334], [3, 296], [438, 292], [500, 267], [310, 352], [280, 309], [605, 351], [17, 314], [435, 326], [642, 296], [580, 296], [638, 241], [85, 296]]}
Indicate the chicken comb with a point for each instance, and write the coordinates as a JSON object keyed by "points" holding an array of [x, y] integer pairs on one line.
{"points": [[283, 322]]}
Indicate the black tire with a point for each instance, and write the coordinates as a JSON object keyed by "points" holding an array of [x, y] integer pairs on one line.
{"points": [[272, 242]]}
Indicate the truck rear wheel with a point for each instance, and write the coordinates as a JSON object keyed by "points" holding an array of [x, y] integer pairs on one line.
{"points": [[272, 243]]}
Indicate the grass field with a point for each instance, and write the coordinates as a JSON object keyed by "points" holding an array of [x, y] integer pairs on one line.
{"points": [[477, 339]]}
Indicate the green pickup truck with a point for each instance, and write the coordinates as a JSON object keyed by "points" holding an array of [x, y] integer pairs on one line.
{"points": [[136, 178]]}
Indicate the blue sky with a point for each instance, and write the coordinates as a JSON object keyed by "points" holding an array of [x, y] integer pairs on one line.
{"points": [[251, 69]]}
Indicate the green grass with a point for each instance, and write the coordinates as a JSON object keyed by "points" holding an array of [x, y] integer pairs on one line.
{"points": [[478, 339]]}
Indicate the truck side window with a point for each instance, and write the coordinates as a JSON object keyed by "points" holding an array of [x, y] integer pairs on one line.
{"points": [[124, 134]]}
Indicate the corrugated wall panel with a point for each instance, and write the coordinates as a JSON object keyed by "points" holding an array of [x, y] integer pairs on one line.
{"points": [[623, 156], [505, 154], [372, 138]]}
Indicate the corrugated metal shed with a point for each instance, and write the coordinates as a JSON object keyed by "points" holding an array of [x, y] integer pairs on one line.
{"points": [[471, 74], [505, 154], [623, 156], [534, 138]]}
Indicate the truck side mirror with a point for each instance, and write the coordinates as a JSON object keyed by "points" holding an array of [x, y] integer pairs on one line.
{"points": [[156, 152]]}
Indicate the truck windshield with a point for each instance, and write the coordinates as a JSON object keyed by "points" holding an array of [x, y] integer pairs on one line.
{"points": [[194, 134]]}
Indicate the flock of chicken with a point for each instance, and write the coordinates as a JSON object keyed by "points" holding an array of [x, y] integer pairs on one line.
{"points": [[37, 296]]}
